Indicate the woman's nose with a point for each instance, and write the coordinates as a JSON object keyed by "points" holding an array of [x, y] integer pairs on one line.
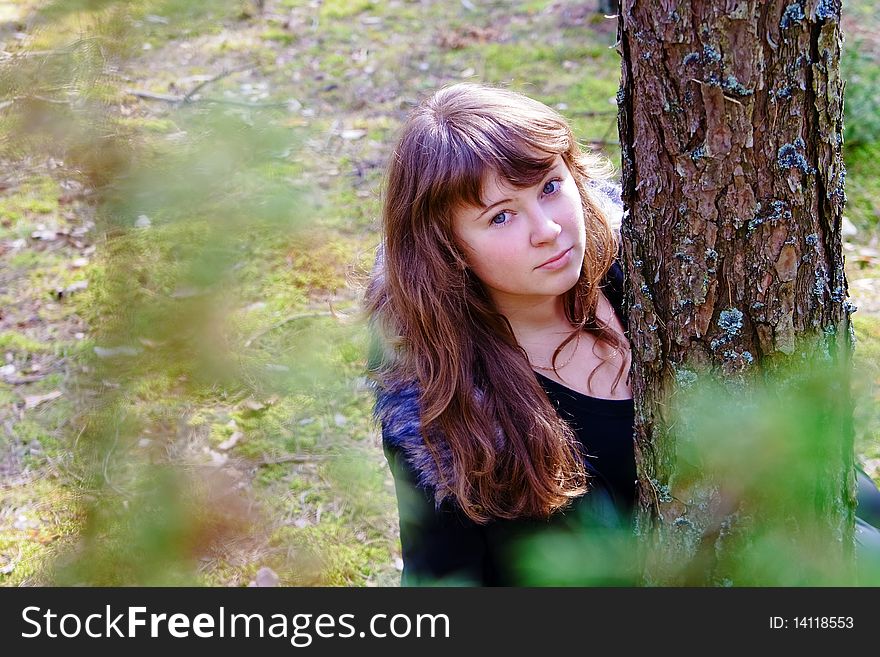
{"points": [[544, 227]]}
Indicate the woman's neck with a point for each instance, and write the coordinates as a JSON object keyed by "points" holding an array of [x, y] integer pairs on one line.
{"points": [[538, 320], [544, 326]]}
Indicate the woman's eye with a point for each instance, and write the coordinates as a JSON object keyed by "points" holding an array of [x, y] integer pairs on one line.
{"points": [[552, 186], [499, 219]]}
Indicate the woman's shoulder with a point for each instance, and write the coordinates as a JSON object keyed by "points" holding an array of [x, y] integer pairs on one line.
{"points": [[398, 410]]}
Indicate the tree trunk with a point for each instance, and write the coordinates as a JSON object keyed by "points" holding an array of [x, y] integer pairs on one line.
{"points": [[731, 130]]}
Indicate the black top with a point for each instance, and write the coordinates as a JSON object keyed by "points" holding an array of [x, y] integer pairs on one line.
{"points": [[444, 546], [605, 428]]}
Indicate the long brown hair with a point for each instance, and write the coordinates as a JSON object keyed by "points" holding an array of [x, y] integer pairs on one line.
{"points": [[512, 455]]}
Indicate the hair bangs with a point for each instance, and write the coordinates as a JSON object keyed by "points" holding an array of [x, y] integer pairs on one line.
{"points": [[519, 159], [460, 182]]}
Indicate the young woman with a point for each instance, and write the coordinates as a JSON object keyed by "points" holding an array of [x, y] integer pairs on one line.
{"points": [[503, 369], [501, 361]]}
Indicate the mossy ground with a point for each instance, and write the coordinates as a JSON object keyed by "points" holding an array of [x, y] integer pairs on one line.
{"points": [[304, 489]]}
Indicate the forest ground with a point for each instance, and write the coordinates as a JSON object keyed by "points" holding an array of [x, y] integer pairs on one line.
{"points": [[292, 468]]}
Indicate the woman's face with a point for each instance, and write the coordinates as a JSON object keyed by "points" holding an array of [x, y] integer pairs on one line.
{"points": [[508, 241]]}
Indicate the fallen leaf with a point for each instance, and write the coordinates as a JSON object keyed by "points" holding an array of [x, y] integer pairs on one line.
{"points": [[110, 352], [266, 577], [32, 401], [217, 458], [44, 235], [230, 442], [70, 289], [24, 523], [185, 292], [351, 135]]}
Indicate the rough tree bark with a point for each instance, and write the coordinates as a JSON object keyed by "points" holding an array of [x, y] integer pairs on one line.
{"points": [[731, 131]]}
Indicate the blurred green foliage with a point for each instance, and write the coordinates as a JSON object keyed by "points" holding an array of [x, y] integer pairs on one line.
{"points": [[755, 499], [177, 208], [765, 453]]}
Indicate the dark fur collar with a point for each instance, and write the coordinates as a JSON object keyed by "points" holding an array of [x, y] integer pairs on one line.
{"points": [[399, 412]]}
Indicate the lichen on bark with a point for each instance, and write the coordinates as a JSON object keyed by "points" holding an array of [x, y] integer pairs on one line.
{"points": [[730, 121]]}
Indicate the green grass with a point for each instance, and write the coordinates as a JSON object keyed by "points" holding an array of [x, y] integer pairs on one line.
{"points": [[35, 200], [340, 10], [16, 341], [42, 517]]}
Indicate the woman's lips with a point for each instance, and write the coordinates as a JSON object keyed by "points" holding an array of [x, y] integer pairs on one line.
{"points": [[556, 261]]}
